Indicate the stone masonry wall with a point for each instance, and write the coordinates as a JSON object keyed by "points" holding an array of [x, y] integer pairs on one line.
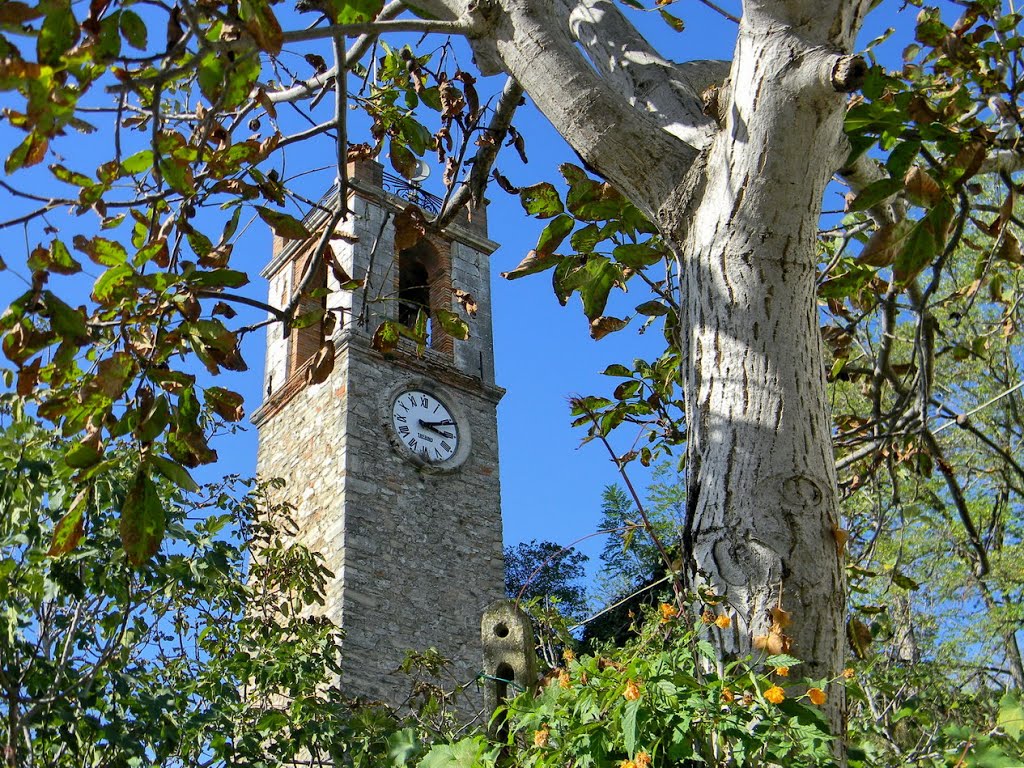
{"points": [[416, 554]]}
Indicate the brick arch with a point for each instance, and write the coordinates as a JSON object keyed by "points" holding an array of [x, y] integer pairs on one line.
{"points": [[424, 281]]}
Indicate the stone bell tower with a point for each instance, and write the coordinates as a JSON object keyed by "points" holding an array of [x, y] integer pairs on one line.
{"points": [[392, 461]]}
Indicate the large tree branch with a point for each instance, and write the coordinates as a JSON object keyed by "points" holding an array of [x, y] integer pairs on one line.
{"points": [[670, 92], [623, 143]]}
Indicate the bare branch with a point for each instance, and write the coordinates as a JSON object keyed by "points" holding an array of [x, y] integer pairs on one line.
{"points": [[473, 188], [378, 27]]}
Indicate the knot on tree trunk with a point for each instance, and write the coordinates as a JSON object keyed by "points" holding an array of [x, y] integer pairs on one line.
{"points": [[848, 73]]}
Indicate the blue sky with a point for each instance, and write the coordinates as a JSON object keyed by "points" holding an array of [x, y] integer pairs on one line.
{"points": [[551, 488]]}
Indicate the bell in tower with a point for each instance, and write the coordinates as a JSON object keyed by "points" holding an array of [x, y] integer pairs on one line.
{"points": [[390, 457]]}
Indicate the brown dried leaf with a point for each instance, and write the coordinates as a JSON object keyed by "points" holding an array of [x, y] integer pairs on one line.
{"points": [[28, 377], [453, 103], [451, 168], [466, 301], [969, 158], [920, 111], [504, 183], [361, 151], [841, 536], [322, 365], [858, 634], [921, 188], [472, 100], [410, 227], [781, 619], [603, 325]]}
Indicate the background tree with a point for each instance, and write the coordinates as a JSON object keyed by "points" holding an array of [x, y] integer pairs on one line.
{"points": [[546, 570]]}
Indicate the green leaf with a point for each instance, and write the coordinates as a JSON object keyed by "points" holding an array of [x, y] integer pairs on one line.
{"points": [[924, 243], [102, 251], [1011, 716], [140, 162], [142, 520], [594, 281], [591, 200], [283, 225], [534, 262], [59, 32], [452, 324], [554, 233], [402, 160], [541, 200], [84, 454], [629, 713], [56, 259], [154, 421], [173, 471], [70, 528], [178, 174], [403, 747], [583, 241], [638, 255], [134, 29], [875, 193], [672, 21], [65, 320], [220, 278], [652, 309], [115, 282], [617, 369], [70, 177], [354, 11], [471, 752], [385, 338]]}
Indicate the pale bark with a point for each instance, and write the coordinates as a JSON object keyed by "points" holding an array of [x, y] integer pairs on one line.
{"points": [[762, 498]]}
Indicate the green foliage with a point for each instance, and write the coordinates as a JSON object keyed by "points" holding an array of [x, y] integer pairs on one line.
{"points": [[653, 703], [177, 657]]}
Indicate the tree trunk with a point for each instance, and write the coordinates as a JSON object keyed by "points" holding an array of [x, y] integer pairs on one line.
{"points": [[762, 497]]}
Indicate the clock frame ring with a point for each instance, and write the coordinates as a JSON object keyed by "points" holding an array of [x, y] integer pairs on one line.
{"points": [[450, 402]]}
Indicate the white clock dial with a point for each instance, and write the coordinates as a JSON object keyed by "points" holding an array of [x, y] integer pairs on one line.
{"points": [[425, 426]]}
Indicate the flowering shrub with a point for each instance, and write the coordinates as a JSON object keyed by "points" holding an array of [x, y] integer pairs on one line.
{"points": [[653, 704]]}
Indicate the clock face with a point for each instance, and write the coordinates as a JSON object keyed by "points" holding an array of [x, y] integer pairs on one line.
{"points": [[425, 426]]}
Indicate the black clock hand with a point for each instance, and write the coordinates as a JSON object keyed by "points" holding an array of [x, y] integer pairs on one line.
{"points": [[430, 425]]}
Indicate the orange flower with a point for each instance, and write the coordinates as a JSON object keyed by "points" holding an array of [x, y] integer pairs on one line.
{"points": [[627, 764], [707, 617], [563, 678], [568, 655], [540, 737], [782, 671], [632, 692], [642, 760], [817, 696], [723, 622], [727, 696], [775, 695], [668, 612], [848, 673]]}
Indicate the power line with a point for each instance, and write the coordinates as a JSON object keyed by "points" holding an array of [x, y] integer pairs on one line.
{"points": [[984, 405]]}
